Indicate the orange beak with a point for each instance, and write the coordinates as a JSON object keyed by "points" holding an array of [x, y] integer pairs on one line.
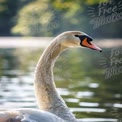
{"points": [[88, 44]]}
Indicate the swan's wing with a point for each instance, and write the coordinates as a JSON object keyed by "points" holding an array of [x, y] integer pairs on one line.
{"points": [[28, 115]]}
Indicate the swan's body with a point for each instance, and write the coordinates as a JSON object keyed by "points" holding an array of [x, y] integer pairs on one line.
{"points": [[28, 115], [53, 108]]}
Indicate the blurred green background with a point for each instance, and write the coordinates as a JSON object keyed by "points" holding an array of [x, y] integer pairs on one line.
{"points": [[51, 17]]}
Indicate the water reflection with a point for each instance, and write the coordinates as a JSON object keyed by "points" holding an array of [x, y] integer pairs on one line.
{"points": [[82, 83]]}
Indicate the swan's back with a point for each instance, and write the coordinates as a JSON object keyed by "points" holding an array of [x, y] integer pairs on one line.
{"points": [[28, 115]]}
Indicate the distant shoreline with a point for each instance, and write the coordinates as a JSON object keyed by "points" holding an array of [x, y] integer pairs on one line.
{"points": [[21, 42]]}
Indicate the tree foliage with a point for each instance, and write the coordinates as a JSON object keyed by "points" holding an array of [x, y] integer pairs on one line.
{"points": [[7, 11], [51, 17]]}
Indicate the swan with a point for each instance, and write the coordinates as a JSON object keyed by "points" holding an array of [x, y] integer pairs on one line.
{"points": [[52, 106]]}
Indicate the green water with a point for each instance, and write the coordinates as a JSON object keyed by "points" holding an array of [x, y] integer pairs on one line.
{"points": [[91, 90]]}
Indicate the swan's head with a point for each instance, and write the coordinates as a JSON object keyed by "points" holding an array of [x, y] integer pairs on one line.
{"points": [[77, 38]]}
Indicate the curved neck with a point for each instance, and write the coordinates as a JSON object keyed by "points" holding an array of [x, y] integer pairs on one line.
{"points": [[47, 96]]}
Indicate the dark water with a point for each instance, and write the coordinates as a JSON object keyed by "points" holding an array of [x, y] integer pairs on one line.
{"points": [[90, 82]]}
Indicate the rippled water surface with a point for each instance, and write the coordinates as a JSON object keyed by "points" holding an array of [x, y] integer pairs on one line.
{"points": [[80, 80]]}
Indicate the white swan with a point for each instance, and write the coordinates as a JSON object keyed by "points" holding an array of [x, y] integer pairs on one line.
{"points": [[53, 108]]}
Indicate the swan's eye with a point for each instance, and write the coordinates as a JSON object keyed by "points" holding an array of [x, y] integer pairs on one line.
{"points": [[76, 35]]}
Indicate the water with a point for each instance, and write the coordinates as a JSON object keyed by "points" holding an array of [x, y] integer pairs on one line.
{"points": [[80, 80]]}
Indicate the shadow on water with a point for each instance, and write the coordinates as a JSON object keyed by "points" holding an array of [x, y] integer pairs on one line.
{"points": [[86, 79]]}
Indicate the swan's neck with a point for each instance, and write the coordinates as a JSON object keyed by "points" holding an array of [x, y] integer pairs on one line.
{"points": [[47, 96]]}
